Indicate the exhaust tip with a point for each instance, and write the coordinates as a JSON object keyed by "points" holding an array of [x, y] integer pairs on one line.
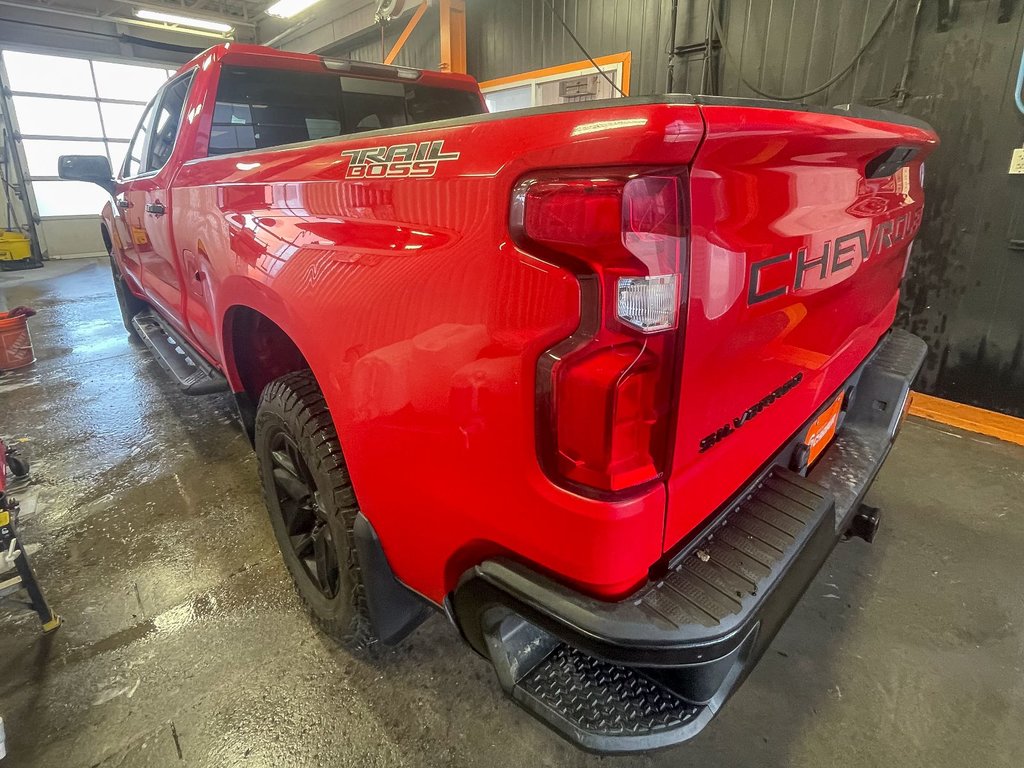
{"points": [[865, 523]]}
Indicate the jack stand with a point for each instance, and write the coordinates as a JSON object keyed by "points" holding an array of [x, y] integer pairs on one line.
{"points": [[12, 551]]}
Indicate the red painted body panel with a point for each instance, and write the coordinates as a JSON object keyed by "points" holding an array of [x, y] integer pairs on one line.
{"points": [[423, 323], [768, 182]]}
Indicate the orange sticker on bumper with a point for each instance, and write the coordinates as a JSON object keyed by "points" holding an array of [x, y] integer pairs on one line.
{"points": [[823, 429]]}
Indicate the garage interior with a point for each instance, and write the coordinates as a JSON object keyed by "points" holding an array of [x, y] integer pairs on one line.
{"points": [[181, 639]]}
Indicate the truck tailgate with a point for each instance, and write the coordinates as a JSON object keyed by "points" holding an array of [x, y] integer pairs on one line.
{"points": [[800, 227]]}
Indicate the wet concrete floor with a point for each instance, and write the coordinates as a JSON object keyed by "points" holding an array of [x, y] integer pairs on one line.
{"points": [[183, 644]]}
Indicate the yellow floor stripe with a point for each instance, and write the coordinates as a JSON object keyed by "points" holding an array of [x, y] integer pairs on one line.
{"points": [[968, 417]]}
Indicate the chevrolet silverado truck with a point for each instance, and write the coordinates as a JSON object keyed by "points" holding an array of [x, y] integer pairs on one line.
{"points": [[603, 383]]}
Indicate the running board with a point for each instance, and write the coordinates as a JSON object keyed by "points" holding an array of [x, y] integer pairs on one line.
{"points": [[194, 375]]}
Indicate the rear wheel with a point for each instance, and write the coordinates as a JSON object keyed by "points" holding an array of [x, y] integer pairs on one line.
{"points": [[312, 506], [129, 304]]}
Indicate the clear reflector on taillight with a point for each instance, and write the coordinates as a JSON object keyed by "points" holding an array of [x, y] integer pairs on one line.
{"points": [[649, 304]]}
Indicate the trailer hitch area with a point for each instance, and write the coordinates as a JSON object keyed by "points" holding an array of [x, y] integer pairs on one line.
{"points": [[864, 524]]}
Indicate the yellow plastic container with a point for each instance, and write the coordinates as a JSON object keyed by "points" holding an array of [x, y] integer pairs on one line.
{"points": [[14, 246]]}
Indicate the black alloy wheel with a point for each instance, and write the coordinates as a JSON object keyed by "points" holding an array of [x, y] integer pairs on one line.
{"points": [[304, 519], [312, 505]]}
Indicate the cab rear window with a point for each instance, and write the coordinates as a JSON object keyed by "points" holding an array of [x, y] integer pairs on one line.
{"points": [[260, 108]]}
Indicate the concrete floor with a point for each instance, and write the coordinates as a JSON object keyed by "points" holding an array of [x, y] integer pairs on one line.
{"points": [[185, 646]]}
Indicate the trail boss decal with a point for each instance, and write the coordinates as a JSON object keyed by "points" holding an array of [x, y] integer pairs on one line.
{"points": [[727, 429], [768, 278], [414, 161]]}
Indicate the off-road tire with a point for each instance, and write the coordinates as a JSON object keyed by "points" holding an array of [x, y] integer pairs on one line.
{"points": [[129, 304], [295, 405]]}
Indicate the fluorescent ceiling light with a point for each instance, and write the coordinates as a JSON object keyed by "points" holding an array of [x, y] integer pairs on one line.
{"points": [[285, 9], [183, 21]]}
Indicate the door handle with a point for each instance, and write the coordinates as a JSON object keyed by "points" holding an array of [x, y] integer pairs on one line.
{"points": [[124, 203], [157, 209]]}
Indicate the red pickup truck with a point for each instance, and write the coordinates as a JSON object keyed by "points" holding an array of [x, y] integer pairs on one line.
{"points": [[602, 382]]}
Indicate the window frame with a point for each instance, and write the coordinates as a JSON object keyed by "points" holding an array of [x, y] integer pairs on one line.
{"points": [[149, 115]]}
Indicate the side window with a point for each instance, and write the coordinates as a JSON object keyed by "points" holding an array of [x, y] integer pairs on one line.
{"points": [[259, 108], [373, 104], [140, 144], [166, 123]]}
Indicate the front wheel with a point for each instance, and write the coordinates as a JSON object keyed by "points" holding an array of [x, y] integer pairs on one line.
{"points": [[312, 506]]}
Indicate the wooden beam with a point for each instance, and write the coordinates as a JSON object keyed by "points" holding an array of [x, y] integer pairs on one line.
{"points": [[968, 417], [453, 35], [402, 38]]}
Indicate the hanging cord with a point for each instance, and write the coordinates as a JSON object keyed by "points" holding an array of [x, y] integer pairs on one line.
{"points": [[580, 46], [827, 84], [1020, 86], [9, 190]]}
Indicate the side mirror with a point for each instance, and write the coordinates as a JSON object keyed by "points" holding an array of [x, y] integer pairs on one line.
{"points": [[94, 168]]}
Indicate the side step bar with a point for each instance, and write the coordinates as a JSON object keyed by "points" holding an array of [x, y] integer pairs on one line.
{"points": [[176, 356]]}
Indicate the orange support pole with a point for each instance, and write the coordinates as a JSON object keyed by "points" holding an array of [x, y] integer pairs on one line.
{"points": [[453, 35], [402, 38]]}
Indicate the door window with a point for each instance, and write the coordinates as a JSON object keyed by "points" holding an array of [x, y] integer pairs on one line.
{"points": [[140, 143], [167, 122]]}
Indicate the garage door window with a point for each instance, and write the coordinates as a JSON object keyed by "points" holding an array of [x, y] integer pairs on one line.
{"points": [[563, 84], [65, 105]]}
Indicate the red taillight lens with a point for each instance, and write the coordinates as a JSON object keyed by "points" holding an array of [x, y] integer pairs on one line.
{"points": [[604, 394], [574, 215], [606, 414]]}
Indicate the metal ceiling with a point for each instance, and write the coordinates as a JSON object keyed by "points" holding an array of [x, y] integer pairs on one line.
{"points": [[243, 15]]}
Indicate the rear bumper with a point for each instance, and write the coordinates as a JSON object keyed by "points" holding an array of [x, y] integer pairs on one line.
{"points": [[652, 670]]}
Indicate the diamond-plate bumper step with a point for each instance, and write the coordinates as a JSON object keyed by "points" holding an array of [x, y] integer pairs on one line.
{"points": [[651, 670], [588, 697]]}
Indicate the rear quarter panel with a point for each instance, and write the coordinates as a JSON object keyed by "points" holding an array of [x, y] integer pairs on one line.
{"points": [[423, 324]]}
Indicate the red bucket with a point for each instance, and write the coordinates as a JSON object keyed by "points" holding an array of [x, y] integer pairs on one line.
{"points": [[15, 343]]}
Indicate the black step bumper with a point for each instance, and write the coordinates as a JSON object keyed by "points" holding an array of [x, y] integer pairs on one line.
{"points": [[652, 670]]}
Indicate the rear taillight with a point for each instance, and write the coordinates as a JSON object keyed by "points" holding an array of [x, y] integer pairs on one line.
{"points": [[604, 394]]}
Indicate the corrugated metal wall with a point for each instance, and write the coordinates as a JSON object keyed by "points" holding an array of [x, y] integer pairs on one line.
{"points": [[966, 276], [787, 47], [422, 49], [510, 36], [783, 46], [965, 294]]}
